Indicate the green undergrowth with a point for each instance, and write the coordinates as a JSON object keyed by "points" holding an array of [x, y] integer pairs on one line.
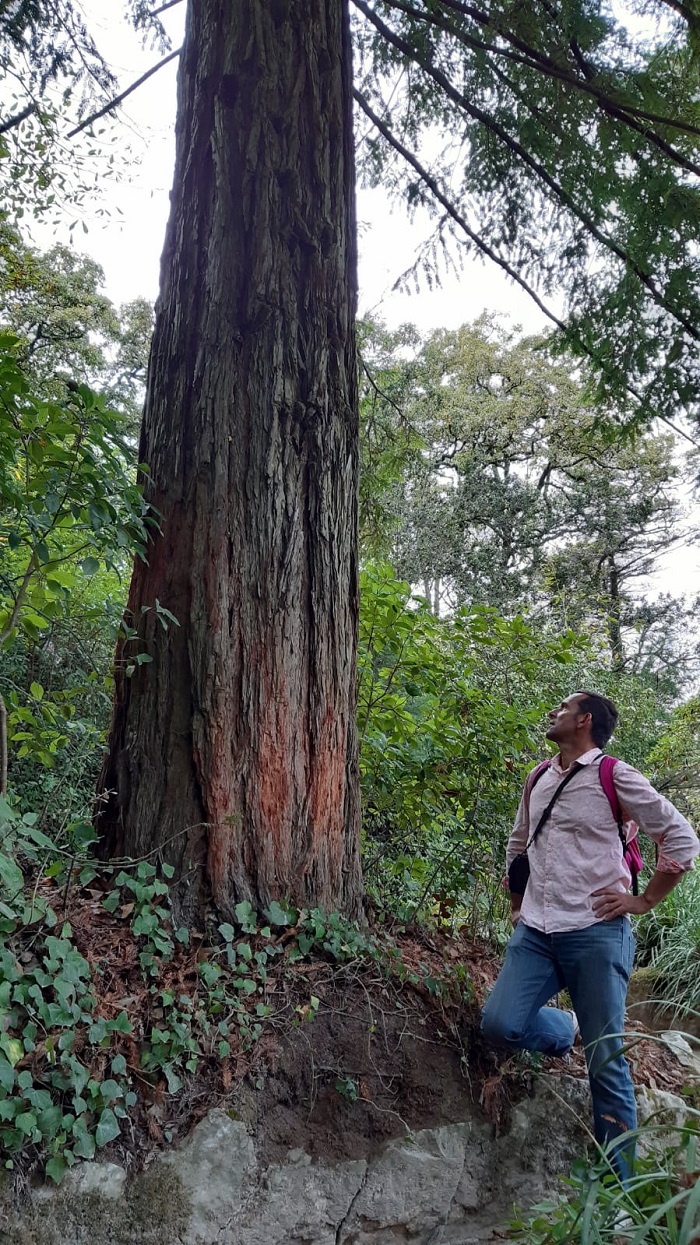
{"points": [[104, 1000], [668, 943], [661, 1206]]}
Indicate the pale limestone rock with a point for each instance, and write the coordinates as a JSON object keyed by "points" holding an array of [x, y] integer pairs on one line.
{"points": [[687, 1055], [663, 1114], [217, 1167], [409, 1186], [304, 1201], [106, 1179]]}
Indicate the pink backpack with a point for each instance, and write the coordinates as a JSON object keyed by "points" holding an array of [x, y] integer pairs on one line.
{"points": [[630, 847]]}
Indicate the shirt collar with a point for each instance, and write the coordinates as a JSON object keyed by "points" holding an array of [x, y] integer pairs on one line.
{"points": [[586, 758]]}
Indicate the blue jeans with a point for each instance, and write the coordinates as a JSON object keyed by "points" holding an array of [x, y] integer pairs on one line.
{"points": [[594, 965]]}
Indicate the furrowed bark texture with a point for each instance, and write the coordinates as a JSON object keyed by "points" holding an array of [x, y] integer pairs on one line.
{"points": [[235, 749]]}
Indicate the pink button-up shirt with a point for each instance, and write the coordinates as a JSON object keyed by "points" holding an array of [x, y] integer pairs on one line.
{"points": [[578, 850]]}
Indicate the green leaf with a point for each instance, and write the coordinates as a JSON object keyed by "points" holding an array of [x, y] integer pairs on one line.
{"points": [[56, 1168], [277, 915], [37, 691], [245, 915], [83, 1142], [26, 1122], [10, 875], [50, 1121], [89, 566], [107, 1128], [173, 1080], [110, 1090]]}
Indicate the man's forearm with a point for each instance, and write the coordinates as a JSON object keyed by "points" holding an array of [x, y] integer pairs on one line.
{"points": [[659, 886]]}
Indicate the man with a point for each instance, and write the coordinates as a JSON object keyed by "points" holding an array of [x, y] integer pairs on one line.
{"points": [[572, 928]]}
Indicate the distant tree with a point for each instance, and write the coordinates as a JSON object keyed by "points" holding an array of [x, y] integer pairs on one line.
{"points": [[514, 495], [67, 329]]}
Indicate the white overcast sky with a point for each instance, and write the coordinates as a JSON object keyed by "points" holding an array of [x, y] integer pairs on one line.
{"points": [[127, 242]]}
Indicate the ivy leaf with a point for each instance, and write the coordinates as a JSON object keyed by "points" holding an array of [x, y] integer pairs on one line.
{"points": [[10, 875], [83, 1142], [26, 1122], [107, 1128], [50, 1121], [56, 1168], [277, 915]]}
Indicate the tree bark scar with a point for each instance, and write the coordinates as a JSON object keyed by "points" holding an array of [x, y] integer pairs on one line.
{"points": [[327, 781]]}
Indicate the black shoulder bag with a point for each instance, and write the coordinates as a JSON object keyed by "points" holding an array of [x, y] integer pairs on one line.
{"points": [[519, 871]]}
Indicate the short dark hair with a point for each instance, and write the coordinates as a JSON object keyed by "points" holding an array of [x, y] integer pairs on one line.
{"points": [[603, 713]]}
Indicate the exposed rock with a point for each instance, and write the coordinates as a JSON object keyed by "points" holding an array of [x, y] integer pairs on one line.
{"points": [[452, 1185], [688, 1056], [217, 1168], [663, 1114]]}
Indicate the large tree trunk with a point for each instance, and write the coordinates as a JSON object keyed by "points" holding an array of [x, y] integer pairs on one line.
{"points": [[614, 607], [234, 751]]}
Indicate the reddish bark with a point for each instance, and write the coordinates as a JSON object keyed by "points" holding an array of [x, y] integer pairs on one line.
{"points": [[235, 750]]}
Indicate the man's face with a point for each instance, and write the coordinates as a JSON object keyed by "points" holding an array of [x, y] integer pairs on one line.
{"points": [[567, 721]]}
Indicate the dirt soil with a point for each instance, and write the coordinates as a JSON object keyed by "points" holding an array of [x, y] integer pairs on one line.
{"points": [[377, 1056]]}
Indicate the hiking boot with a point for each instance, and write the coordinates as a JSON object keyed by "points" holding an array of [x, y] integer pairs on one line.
{"points": [[623, 1226]]}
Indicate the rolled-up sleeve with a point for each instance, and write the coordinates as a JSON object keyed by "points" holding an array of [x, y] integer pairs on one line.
{"points": [[677, 842]]}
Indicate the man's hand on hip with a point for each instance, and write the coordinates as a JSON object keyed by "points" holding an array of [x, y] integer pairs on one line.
{"points": [[607, 904]]}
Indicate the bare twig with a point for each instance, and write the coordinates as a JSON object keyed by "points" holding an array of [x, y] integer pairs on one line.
{"points": [[18, 118], [164, 7], [119, 99]]}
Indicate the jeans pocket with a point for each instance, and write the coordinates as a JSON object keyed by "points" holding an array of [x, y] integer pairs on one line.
{"points": [[628, 945]]}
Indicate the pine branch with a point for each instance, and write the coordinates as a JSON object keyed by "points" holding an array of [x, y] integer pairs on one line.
{"points": [[164, 7], [534, 165], [547, 65], [451, 210], [432, 185], [542, 64]]}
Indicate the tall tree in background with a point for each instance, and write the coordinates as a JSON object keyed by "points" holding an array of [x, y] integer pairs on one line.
{"points": [[235, 748], [490, 478]]}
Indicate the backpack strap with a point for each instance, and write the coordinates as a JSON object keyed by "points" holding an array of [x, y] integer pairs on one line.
{"points": [[534, 777], [547, 812], [607, 765], [607, 782]]}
